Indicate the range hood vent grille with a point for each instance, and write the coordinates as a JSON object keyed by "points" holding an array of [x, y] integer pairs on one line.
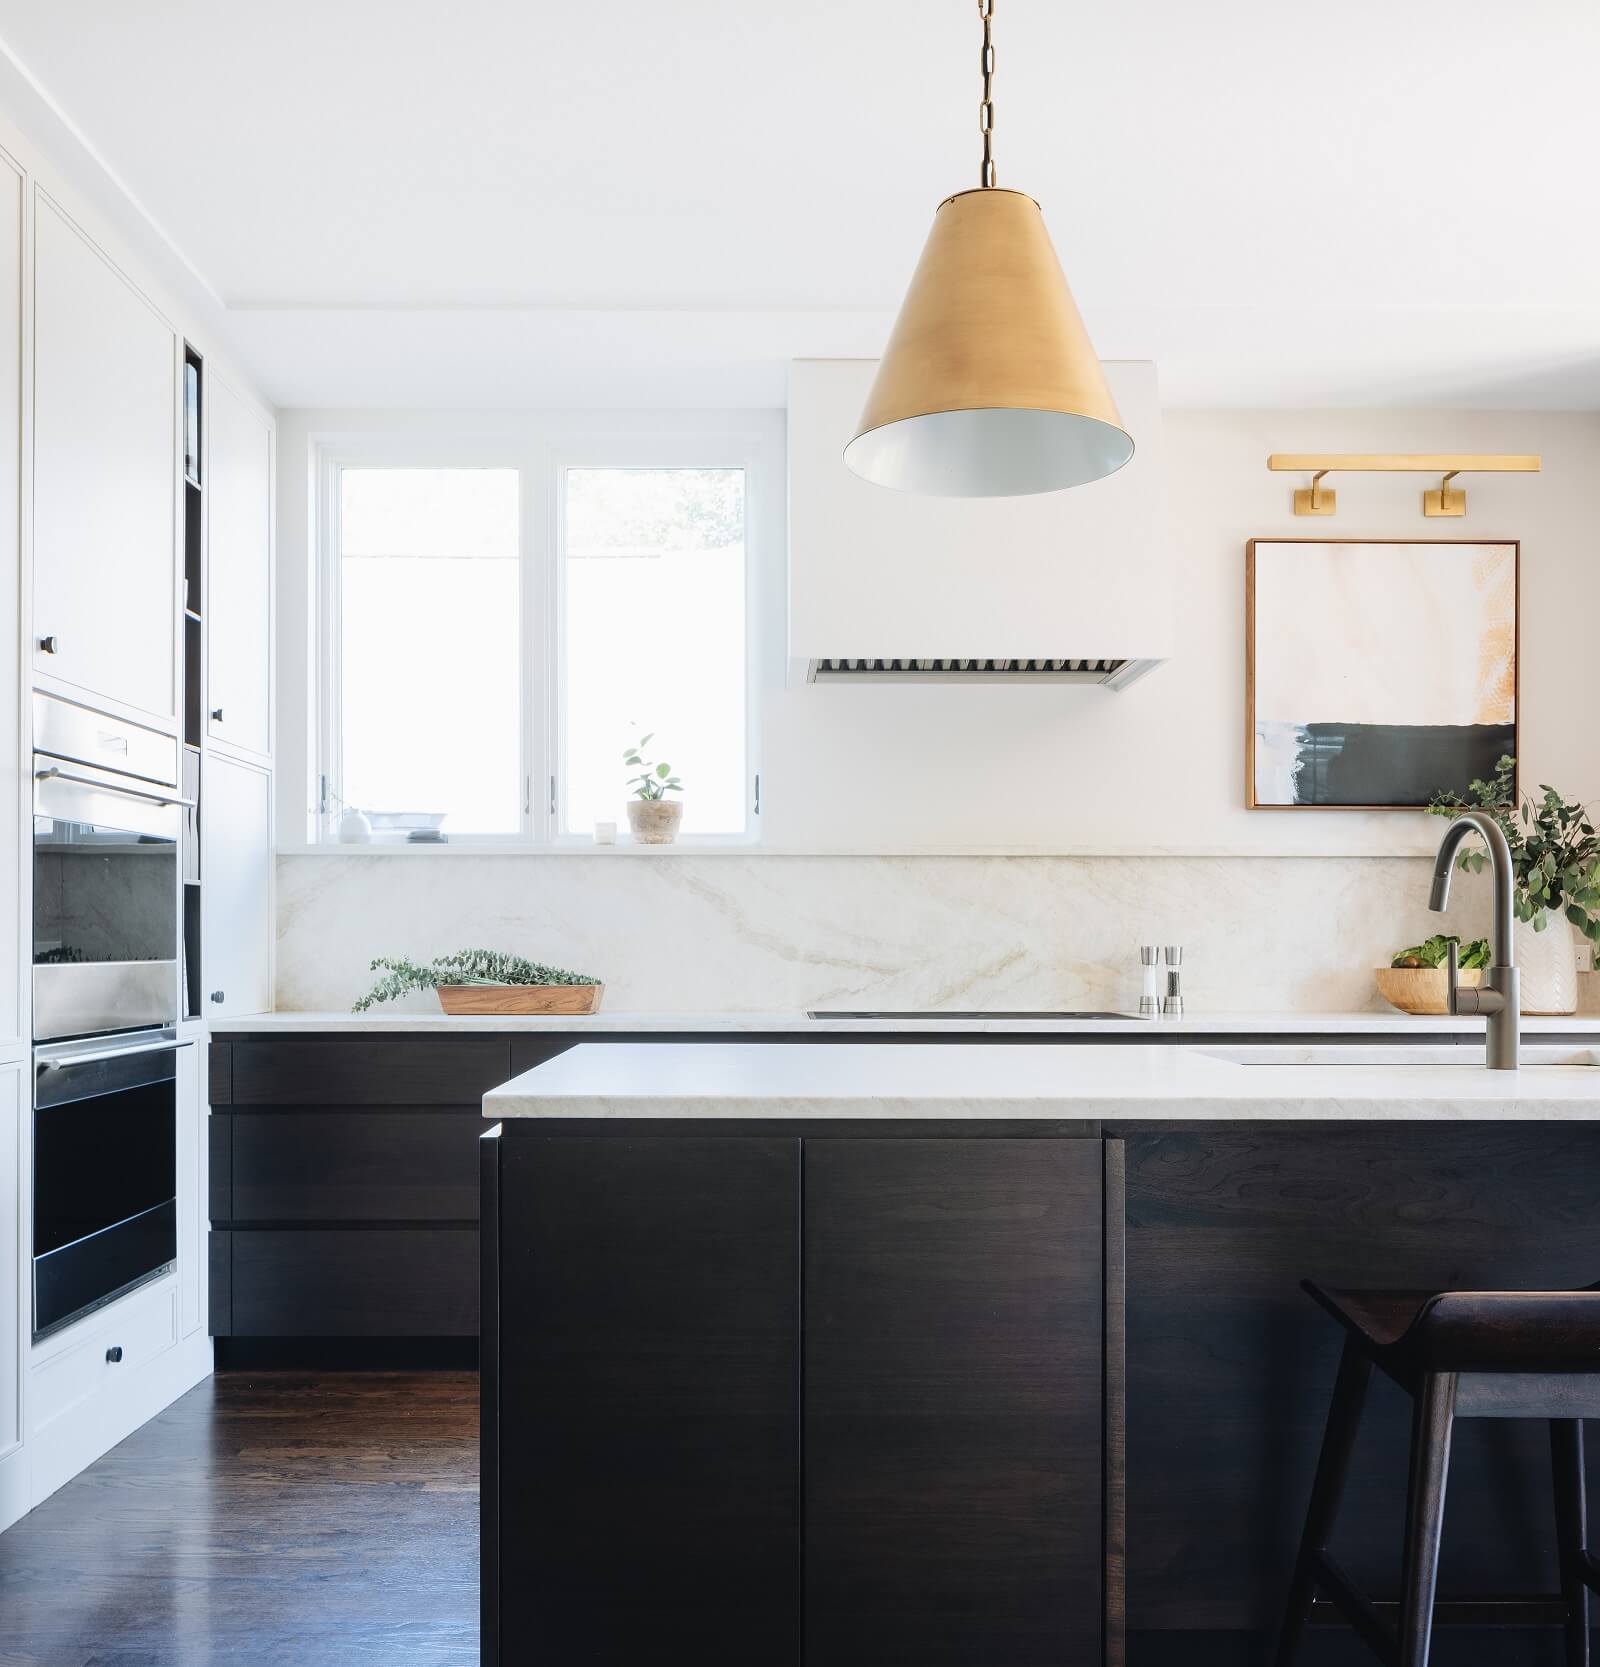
{"points": [[1111, 674]]}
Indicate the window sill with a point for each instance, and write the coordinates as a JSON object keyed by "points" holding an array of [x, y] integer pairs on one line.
{"points": [[568, 848]]}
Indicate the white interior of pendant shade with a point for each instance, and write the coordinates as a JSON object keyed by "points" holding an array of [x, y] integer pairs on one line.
{"points": [[990, 453]]}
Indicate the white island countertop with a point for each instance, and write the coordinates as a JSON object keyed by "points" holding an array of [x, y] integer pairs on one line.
{"points": [[980, 1080]]}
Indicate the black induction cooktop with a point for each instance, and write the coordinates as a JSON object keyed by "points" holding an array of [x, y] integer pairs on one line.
{"points": [[987, 1013]]}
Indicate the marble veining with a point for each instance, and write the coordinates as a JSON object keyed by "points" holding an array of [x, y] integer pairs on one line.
{"points": [[763, 933]]}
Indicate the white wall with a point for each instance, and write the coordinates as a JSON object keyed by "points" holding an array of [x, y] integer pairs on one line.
{"points": [[1160, 767], [1154, 773]]}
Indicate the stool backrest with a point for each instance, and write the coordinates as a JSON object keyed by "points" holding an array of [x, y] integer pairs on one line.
{"points": [[1524, 1331]]}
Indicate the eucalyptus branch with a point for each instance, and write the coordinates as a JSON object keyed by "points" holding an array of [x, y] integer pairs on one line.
{"points": [[1555, 851], [463, 966]]}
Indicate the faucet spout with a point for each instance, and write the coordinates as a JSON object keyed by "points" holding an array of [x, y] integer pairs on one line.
{"points": [[1500, 999]]}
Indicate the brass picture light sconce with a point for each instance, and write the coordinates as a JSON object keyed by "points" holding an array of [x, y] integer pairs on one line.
{"points": [[1317, 499]]}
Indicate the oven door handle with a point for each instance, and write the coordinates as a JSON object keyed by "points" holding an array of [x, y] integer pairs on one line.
{"points": [[60, 1062], [53, 774]]}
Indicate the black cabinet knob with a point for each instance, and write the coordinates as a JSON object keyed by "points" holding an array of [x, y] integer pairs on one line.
{"points": [[219, 996], [114, 1353], [216, 714], [49, 645]]}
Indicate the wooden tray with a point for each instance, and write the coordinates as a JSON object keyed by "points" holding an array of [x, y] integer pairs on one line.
{"points": [[520, 998]]}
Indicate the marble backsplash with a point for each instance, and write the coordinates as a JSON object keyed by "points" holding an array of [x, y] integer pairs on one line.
{"points": [[763, 933]]}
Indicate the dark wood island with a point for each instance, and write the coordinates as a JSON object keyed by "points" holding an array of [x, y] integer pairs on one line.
{"points": [[980, 1356]]}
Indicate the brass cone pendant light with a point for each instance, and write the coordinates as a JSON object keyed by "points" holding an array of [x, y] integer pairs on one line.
{"points": [[989, 386]]}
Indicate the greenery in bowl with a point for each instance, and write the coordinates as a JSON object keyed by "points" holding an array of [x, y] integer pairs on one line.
{"points": [[465, 966], [1435, 951], [1555, 851], [654, 781]]}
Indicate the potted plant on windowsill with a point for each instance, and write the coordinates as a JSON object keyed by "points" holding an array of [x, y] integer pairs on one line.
{"points": [[1555, 857], [652, 816], [485, 981]]}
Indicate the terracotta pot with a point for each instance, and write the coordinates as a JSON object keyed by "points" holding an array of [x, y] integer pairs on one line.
{"points": [[655, 821]]}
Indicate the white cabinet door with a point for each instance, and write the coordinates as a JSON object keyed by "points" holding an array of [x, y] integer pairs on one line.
{"points": [[105, 478], [235, 887], [13, 806], [192, 1212], [239, 576], [13, 1460]]}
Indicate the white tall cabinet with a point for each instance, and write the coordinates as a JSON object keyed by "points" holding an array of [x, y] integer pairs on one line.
{"points": [[96, 532], [14, 1477], [239, 573], [15, 1226], [14, 1026], [105, 479], [235, 867]]}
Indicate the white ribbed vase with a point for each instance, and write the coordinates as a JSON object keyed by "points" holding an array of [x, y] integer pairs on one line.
{"points": [[1549, 963]]}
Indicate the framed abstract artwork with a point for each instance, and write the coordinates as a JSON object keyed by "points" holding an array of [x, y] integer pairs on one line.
{"points": [[1379, 673]]}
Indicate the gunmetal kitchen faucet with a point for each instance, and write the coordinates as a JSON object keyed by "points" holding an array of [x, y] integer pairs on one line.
{"points": [[1500, 997]]}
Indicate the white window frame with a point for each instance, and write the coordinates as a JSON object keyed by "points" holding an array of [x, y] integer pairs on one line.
{"points": [[541, 455], [705, 449]]}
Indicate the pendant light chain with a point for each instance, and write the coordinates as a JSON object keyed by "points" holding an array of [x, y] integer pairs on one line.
{"points": [[986, 108]]}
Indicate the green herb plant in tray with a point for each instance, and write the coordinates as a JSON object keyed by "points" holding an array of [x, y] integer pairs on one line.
{"points": [[485, 981]]}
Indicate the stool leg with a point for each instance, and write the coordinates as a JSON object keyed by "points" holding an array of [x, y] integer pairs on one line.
{"points": [[1572, 1532], [1432, 1418], [1344, 1417]]}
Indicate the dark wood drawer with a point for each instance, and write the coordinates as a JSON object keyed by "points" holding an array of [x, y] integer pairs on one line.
{"points": [[350, 1166], [367, 1070], [355, 1282]]}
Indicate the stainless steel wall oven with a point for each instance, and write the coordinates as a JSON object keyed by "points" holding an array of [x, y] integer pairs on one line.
{"points": [[107, 824]]}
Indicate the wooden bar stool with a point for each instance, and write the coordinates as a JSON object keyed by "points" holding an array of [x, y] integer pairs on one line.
{"points": [[1463, 1354]]}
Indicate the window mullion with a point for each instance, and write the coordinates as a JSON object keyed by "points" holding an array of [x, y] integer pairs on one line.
{"points": [[536, 647]]}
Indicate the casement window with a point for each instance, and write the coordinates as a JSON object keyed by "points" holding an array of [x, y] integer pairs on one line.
{"points": [[496, 630]]}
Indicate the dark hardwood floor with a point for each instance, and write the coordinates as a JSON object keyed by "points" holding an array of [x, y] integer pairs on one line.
{"points": [[319, 1519]]}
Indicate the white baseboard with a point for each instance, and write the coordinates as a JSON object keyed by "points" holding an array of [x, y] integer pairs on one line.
{"points": [[14, 1501]]}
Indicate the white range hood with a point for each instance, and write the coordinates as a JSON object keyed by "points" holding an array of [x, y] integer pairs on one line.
{"points": [[887, 587]]}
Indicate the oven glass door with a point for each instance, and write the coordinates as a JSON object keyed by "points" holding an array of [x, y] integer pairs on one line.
{"points": [[105, 909], [104, 1176]]}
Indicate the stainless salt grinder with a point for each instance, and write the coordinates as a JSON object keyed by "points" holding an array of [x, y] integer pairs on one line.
{"points": [[1150, 995]]}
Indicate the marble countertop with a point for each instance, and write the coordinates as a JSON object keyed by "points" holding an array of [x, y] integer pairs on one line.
{"points": [[993, 1081], [777, 1023]]}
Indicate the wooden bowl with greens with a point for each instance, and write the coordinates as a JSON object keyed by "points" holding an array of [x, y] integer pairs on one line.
{"points": [[1418, 981]]}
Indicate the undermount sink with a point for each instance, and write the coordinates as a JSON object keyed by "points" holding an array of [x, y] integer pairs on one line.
{"points": [[1461, 1054]]}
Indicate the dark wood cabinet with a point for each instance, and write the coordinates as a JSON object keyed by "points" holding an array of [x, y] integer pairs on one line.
{"points": [[354, 1166], [334, 1282], [952, 1402], [386, 1070], [344, 1184], [695, 1345], [644, 1352], [1230, 1366]]}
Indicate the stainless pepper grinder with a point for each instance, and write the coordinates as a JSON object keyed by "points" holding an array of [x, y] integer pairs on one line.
{"points": [[1172, 1005], [1150, 995]]}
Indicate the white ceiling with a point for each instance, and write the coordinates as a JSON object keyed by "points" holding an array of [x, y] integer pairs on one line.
{"points": [[660, 201]]}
